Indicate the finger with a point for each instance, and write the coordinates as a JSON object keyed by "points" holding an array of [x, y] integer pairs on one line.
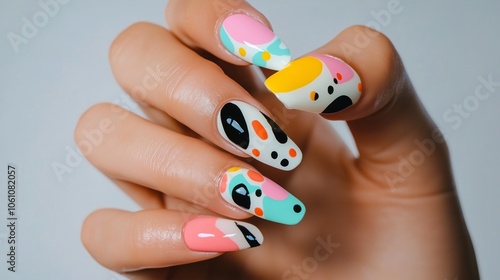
{"points": [[233, 31], [198, 94], [366, 85], [146, 198], [182, 167], [125, 241]]}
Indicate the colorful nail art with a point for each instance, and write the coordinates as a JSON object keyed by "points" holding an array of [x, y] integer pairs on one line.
{"points": [[316, 83], [257, 135], [212, 234], [260, 196], [254, 42]]}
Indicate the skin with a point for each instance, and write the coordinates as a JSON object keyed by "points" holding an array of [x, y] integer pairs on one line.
{"points": [[409, 226]]}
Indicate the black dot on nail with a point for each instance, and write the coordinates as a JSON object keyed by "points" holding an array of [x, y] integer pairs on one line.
{"points": [[335, 80], [284, 163], [274, 155], [330, 89], [297, 208], [258, 193]]}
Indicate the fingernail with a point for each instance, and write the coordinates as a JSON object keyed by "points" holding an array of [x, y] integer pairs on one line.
{"points": [[258, 195], [317, 83], [257, 135], [213, 234], [254, 42]]}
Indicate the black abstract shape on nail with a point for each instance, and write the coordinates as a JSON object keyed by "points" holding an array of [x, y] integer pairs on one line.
{"points": [[249, 237], [284, 162], [339, 104], [297, 208], [234, 125], [258, 193], [241, 196], [279, 134], [330, 89], [274, 155], [316, 96]]}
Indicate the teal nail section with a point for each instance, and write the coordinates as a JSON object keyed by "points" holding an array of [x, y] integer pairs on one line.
{"points": [[258, 195], [254, 42], [226, 41]]}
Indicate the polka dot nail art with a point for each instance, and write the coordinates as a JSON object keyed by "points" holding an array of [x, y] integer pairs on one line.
{"points": [[257, 135], [258, 195], [316, 83], [254, 42]]}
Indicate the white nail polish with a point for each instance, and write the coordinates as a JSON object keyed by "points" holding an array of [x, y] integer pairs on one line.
{"points": [[257, 135], [316, 83]]}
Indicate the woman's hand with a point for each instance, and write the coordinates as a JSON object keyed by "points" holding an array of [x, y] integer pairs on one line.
{"points": [[390, 212]]}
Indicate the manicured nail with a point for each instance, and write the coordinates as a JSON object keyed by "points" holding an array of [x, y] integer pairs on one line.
{"points": [[254, 42], [317, 83], [257, 135], [260, 196], [212, 234]]}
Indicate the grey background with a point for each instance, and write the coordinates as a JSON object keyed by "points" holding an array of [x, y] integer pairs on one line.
{"points": [[63, 69]]}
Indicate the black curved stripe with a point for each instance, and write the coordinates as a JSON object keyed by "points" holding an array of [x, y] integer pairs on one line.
{"points": [[279, 134], [249, 237], [339, 104]]}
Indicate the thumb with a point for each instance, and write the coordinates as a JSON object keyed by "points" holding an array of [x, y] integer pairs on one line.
{"points": [[359, 77]]}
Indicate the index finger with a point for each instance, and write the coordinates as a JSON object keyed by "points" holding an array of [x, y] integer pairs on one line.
{"points": [[242, 35]]}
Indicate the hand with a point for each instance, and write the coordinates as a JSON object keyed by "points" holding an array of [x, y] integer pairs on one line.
{"points": [[390, 212]]}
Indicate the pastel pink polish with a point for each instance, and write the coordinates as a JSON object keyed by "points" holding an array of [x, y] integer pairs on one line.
{"points": [[213, 234], [254, 42]]}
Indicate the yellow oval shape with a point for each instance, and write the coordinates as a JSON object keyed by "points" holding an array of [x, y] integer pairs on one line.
{"points": [[296, 75]]}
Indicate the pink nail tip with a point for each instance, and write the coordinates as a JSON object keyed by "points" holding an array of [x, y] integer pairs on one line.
{"points": [[213, 234]]}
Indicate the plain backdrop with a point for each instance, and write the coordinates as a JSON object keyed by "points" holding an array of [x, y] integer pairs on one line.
{"points": [[61, 68]]}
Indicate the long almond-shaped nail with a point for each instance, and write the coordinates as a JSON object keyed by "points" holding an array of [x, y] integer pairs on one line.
{"points": [[257, 135], [213, 234], [254, 42], [316, 83], [260, 196]]}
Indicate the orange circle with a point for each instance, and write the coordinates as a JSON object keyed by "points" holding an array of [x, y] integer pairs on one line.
{"points": [[312, 95], [360, 87], [255, 176], [339, 76], [259, 212], [259, 130], [256, 152], [292, 152]]}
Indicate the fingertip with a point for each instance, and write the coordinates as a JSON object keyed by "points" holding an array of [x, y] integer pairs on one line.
{"points": [[234, 31], [348, 78]]}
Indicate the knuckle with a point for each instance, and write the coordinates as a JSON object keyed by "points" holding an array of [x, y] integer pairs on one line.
{"points": [[125, 41]]}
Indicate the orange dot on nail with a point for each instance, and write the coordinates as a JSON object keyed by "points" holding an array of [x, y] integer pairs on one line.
{"points": [[313, 95], [242, 52], [256, 152], [259, 130], [339, 76], [292, 152], [360, 87], [258, 212], [255, 176]]}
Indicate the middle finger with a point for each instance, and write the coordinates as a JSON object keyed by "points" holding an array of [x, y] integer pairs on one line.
{"points": [[197, 93]]}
